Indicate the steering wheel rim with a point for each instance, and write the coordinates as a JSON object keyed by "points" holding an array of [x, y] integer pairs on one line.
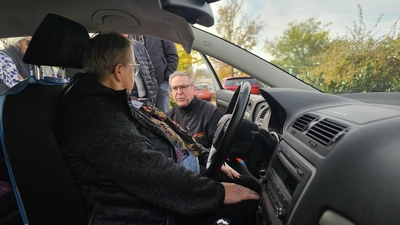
{"points": [[226, 129]]}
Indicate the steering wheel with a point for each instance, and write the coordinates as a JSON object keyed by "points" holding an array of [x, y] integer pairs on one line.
{"points": [[226, 129]]}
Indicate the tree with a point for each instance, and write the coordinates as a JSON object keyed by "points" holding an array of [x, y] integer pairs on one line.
{"points": [[239, 28], [185, 60], [293, 51], [359, 62], [354, 62]]}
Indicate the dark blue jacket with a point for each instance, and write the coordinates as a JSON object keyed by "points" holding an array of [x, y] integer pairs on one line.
{"points": [[164, 56]]}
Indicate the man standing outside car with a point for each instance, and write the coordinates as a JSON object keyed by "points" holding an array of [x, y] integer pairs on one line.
{"points": [[146, 87], [165, 59], [198, 117]]}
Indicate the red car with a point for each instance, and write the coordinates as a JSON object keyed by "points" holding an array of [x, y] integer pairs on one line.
{"points": [[202, 92], [231, 83]]}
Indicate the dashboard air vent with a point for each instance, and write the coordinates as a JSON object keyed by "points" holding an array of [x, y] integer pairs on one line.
{"points": [[303, 121], [264, 111], [326, 132]]}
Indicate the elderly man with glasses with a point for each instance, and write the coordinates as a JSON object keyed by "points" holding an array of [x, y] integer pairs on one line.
{"points": [[132, 164], [197, 116]]}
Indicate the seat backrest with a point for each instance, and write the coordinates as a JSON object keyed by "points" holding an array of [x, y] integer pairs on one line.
{"points": [[44, 180], [31, 128]]}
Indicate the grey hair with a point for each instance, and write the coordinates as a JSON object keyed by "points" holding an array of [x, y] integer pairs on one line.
{"points": [[104, 51], [15, 41], [181, 73]]}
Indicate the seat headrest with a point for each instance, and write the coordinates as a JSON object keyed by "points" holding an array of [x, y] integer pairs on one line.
{"points": [[57, 41]]}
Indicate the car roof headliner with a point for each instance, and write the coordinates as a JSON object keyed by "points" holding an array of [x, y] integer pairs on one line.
{"points": [[126, 16]]}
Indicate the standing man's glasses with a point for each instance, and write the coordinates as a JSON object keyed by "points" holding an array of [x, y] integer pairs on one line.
{"points": [[136, 68], [184, 87]]}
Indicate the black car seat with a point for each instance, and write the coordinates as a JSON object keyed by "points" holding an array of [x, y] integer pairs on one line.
{"points": [[31, 129]]}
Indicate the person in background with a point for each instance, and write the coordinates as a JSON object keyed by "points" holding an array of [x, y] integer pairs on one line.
{"points": [[198, 117], [12, 68], [165, 60], [145, 88], [133, 168], [50, 71]]}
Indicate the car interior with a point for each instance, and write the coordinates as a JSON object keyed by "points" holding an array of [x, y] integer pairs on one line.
{"points": [[319, 158]]}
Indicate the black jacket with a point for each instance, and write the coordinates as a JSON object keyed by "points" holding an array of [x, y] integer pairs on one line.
{"points": [[123, 163], [164, 56], [146, 71], [199, 118]]}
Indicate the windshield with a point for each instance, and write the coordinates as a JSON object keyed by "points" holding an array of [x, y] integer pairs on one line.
{"points": [[335, 46]]}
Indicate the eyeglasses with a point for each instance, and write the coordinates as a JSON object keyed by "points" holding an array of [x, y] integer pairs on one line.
{"points": [[184, 87], [136, 68]]}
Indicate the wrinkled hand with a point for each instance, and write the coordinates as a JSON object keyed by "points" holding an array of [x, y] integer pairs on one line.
{"points": [[235, 193], [228, 171]]}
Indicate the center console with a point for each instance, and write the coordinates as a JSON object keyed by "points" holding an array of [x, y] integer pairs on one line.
{"points": [[287, 175]]}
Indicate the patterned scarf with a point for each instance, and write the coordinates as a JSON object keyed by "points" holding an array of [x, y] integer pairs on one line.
{"points": [[182, 141]]}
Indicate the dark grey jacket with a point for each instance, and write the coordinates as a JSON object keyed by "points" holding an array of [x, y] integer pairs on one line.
{"points": [[164, 56], [123, 163], [199, 118], [146, 71]]}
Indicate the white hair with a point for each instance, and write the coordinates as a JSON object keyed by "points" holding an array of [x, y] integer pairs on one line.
{"points": [[15, 41], [181, 73]]}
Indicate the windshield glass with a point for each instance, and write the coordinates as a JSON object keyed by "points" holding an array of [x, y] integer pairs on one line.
{"points": [[335, 46]]}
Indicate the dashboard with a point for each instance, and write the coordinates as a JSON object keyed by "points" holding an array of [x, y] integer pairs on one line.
{"points": [[337, 160], [258, 111]]}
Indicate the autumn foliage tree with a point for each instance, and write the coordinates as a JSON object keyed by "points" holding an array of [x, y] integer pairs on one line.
{"points": [[238, 28], [185, 60], [355, 62], [359, 61], [293, 51]]}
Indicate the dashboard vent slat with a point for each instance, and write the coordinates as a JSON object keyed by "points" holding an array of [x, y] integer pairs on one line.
{"points": [[303, 121], [326, 132], [263, 112]]}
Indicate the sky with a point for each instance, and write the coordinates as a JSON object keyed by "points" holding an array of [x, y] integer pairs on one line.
{"points": [[341, 13]]}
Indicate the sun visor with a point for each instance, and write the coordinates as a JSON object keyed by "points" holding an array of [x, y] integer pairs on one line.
{"points": [[57, 41], [193, 11]]}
